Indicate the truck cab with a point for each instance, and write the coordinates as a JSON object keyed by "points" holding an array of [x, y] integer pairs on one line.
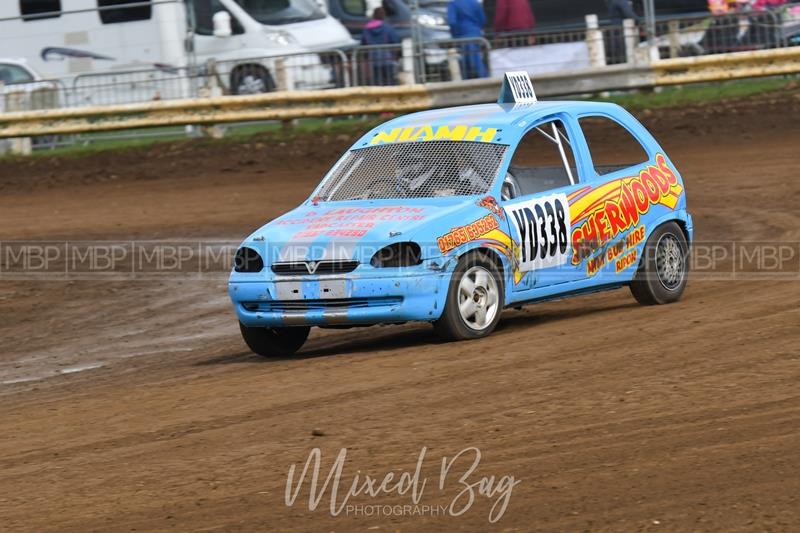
{"points": [[280, 26]]}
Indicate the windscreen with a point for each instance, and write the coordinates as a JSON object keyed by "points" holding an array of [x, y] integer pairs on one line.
{"points": [[275, 12], [427, 169]]}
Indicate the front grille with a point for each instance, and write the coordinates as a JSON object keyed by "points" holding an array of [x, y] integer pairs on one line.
{"points": [[305, 268], [278, 306]]}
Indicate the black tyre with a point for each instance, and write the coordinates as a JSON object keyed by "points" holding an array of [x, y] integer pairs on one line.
{"points": [[274, 342], [251, 79], [475, 299], [664, 267]]}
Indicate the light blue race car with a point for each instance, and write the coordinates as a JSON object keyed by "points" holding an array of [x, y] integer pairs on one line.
{"points": [[451, 215]]}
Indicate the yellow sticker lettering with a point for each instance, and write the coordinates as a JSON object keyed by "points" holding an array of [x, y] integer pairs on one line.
{"points": [[442, 133], [406, 135], [445, 133], [386, 137], [424, 133], [478, 134]]}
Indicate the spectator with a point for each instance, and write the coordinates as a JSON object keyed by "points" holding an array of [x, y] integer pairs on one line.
{"points": [[725, 7], [381, 61], [513, 15], [466, 20], [724, 33], [619, 10], [761, 5], [765, 25]]}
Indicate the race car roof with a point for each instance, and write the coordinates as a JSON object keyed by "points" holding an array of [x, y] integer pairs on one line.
{"points": [[505, 122]]}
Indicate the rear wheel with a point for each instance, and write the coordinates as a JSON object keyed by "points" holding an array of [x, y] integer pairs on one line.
{"points": [[274, 342], [475, 300], [664, 267]]}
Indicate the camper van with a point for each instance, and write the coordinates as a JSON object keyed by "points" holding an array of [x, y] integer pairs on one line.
{"points": [[117, 51]]}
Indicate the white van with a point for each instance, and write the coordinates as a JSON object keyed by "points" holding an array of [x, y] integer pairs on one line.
{"points": [[116, 51]]}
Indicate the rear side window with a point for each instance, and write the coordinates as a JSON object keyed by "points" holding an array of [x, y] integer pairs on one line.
{"points": [[612, 146], [127, 10], [39, 9]]}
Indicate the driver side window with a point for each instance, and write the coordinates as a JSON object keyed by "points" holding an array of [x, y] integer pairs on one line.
{"points": [[204, 17], [543, 160]]}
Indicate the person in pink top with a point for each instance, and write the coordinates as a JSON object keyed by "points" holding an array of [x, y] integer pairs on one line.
{"points": [[760, 5], [513, 15], [724, 7]]}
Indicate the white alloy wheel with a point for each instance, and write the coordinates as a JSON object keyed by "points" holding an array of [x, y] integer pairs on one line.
{"points": [[478, 298]]}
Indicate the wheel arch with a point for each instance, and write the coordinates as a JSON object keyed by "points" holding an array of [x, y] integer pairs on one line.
{"points": [[685, 229], [683, 222], [682, 219]]}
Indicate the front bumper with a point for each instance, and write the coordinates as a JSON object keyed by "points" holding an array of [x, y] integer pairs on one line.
{"points": [[354, 299]]}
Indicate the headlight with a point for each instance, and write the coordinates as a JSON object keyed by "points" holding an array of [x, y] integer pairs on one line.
{"points": [[400, 254], [430, 20], [247, 260], [280, 37]]}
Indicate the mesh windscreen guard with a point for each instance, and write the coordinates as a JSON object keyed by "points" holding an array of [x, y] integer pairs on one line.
{"points": [[426, 169]]}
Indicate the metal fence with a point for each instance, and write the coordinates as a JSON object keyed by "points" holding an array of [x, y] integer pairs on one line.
{"points": [[434, 61], [702, 34], [255, 75], [736, 32], [555, 50], [42, 94]]}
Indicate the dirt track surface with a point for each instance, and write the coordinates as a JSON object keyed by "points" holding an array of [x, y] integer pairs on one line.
{"points": [[610, 415]]}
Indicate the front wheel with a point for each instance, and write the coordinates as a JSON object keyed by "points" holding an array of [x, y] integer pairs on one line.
{"points": [[274, 342], [475, 299], [251, 79], [664, 268]]}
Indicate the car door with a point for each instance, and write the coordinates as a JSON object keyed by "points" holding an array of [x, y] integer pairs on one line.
{"points": [[206, 45], [629, 182], [542, 177]]}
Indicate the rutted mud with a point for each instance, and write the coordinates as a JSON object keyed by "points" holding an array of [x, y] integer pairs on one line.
{"points": [[153, 414]]}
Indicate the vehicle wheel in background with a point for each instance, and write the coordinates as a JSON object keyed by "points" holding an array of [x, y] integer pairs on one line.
{"points": [[664, 267], [251, 79], [274, 342], [475, 299]]}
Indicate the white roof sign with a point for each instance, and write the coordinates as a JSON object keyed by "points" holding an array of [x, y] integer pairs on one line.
{"points": [[517, 89]]}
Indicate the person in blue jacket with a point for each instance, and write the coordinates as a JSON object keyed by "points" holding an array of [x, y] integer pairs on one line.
{"points": [[619, 10], [467, 19], [382, 61]]}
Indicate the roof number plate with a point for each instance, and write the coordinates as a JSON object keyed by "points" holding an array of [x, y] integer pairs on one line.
{"points": [[517, 89]]}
